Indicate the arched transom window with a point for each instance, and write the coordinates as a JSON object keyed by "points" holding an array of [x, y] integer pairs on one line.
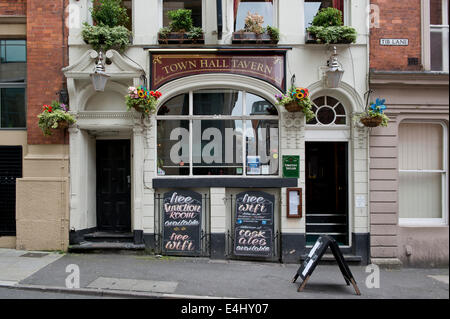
{"points": [[211, 131], [329, 111]]}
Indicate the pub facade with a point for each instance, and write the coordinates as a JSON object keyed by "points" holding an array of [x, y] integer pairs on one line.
{"points": [[220, 170]]}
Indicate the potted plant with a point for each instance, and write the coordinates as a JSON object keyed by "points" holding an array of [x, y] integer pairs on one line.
{"points": [[54, 116], [108, 31], [374, 116], [297, 100], [181, 29], [327, 27], [142, 100], [254, 32]]}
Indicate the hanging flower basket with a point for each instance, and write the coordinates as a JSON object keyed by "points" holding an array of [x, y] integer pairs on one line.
{"points": [[297, 100], [293, 107], [54, 117], [142, 100], [371, 121]]}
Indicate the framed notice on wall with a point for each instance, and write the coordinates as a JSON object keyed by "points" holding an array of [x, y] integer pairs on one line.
{"points": [[291, 164]]}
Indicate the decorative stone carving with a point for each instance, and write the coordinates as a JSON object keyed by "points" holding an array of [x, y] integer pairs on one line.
{"points": [[293, 129]]}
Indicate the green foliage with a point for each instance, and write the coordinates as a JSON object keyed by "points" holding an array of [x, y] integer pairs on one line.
{"points": [[109, 13], [335, 34], [181, 20], [328, 17], [195, 33], [105, 38], [274, 33], [52, 116], [304, 103], [164, 32]]}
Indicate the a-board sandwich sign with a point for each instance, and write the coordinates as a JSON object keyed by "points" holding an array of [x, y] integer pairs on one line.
{"points": [[182, 224], [254, 224]]}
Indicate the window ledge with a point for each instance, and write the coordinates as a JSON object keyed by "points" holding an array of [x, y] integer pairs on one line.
{"points": [[221, 181]]}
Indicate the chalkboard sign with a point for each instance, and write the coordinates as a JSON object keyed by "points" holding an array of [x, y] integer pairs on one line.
{"points": [[182, 222], [254, 224], [314, 256]]}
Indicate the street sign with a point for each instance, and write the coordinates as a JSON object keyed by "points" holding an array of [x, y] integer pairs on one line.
{"points": [[306, 269], [394, 42]]}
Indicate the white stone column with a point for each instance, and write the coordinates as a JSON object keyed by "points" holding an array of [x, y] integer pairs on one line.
{"points": [[137, 175], [75, 150]]}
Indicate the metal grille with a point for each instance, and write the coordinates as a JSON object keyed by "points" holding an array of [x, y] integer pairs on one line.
{"points": [[205, 236], [276, 241], [10, 170]]}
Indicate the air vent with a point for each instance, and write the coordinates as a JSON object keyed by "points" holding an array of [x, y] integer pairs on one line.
{"points": [[413, 61]]}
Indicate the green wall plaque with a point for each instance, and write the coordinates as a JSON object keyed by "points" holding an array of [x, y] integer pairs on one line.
{"points": [[291, 164]]}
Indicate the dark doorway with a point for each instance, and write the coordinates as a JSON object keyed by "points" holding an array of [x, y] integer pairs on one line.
{"points": [[327, 191], [113, 186], [10, 170]]}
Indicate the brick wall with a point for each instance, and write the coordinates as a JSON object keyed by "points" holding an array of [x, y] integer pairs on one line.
{"points": [[47, 55], [399, 20], [13, 7]]}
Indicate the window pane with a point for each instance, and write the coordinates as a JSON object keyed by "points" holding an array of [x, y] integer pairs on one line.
{"points": [[173, 147], [256, 105], [14, 51], [12, 106], [194, 5], [262, 147], [436, 12], [420, 146], [218, 102], [179, 105], [129, 6], [312, 7], [217, 147], [13, 66], [242, 8], [420, 195], [436, 49]]}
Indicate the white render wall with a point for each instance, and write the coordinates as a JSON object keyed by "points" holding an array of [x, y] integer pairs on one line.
{"points": [[306, 61]]}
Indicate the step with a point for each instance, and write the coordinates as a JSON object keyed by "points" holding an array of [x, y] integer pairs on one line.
{"points": [[109, 237], [88, 246], [330, 258]]}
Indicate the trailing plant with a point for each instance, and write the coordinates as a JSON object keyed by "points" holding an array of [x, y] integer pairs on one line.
{"points": [[328, 17], [274, 33], [53, 116], [181, 20], [109, 13], [142, 100], [297, 99], [254, 23], [104, 38], [335, 34]]}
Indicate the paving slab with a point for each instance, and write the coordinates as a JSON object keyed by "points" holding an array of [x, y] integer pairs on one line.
{"points": [[134, 285], [238, 279], [16, 265]]}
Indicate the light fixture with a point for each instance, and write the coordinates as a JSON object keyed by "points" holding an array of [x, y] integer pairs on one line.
{"points": [[334, 72], [99, 77]]}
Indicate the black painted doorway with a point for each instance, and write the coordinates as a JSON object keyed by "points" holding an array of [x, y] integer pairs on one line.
{"points": [[326, 191], [113, 186]]}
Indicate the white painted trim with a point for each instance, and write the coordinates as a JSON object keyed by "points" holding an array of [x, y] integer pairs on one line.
{"points": [[422, 222]]}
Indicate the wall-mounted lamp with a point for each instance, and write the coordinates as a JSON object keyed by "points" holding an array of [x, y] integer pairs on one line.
{"points": [[99, 77], [334, 72]]}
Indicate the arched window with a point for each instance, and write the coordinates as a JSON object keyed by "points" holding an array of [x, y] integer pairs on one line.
{"points": [[329, 111], [211, 131]]}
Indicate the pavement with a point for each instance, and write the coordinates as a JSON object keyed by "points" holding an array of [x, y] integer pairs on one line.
{"points": [[149, 276]]}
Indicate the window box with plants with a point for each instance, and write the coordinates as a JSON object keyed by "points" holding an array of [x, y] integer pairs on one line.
{"points": [[327, 28], [181, 29], [254, 32], [108, 31]]}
